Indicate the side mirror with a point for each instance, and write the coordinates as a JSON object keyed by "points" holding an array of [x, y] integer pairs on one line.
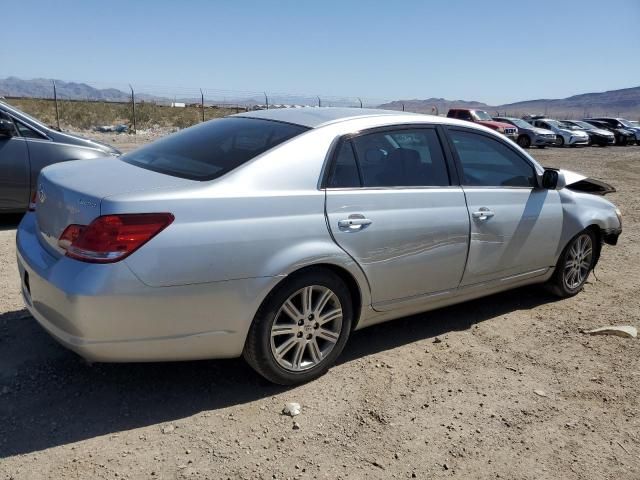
{"points": [[553, 179], [6, 128]]}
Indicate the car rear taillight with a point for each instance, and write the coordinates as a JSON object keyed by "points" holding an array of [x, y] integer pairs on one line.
{"points": [[33, 201], [111, 238]]}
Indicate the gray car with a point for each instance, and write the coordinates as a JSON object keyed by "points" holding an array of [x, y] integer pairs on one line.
{"points": [[27, 146], [528, 135], [274, 234]]}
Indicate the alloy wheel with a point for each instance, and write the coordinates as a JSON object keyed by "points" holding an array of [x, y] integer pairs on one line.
{"points": [[578, 262], [306, 328]]}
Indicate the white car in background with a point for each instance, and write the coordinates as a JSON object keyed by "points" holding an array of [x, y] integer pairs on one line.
{"points": [[565, 135]]}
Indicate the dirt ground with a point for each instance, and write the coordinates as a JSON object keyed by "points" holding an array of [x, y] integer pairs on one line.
{"points": [[445, 394]]}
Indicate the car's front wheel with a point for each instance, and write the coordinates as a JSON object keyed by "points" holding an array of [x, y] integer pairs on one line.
{"points": [[301, 328], [524, 141], [559, 141], [574, 265]]}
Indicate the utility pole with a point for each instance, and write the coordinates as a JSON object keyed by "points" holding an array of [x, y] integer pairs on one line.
{"points": [[133, 108], [55, 99], [266, 100], [360, 102], [202, 103]]}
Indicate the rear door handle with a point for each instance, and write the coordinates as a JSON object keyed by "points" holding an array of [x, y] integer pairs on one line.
{"points": [[483, 214], [354, 222]]}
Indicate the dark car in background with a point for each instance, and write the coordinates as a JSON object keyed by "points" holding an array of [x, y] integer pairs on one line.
{"points": [[622, 135], [597, 136], [27, 146], [624, 124], [528, 135]]}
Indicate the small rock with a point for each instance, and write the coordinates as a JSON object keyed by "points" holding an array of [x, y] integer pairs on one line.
{"points": [[187, 451], [168, 429], [445, 466], [292, 409], [296, 426], [540, 393], [437, 340]]}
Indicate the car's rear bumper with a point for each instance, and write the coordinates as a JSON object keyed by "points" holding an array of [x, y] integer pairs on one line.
{"points": [[105, 313]]}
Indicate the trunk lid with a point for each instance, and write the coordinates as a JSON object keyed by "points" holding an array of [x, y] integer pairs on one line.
{"points": [[71, 192]]}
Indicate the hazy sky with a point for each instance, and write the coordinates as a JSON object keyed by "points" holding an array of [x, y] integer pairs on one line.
{"points": [[492, 51]]}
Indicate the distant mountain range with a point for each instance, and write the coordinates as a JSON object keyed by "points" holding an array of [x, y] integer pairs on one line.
{"points": [[624, 102]]}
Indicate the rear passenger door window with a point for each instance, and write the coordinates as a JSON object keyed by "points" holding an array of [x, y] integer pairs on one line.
{"points": [[401, 158], [487, 162]]}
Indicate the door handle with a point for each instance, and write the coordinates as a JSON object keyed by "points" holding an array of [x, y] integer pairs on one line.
{"points": [[354, 222], [483, 213]]}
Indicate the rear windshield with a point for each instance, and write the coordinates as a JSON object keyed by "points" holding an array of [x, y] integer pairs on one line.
{"points": [[211, 149]]}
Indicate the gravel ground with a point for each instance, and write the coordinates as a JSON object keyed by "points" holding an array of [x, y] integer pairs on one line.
{"points": [[445, 394]]}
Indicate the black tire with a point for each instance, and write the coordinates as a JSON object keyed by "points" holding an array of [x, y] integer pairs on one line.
{"points": [[524, 141], [542, 146], [559, 141], [258, 350], [559, 284]]}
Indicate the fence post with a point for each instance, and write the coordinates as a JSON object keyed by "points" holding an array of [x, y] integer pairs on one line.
{"points": [[360, 102], [319, 102], [266, 100], [403, 107], [133, 107], [202, 103], [55, 99]]}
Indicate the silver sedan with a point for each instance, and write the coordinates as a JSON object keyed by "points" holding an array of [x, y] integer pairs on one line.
{"points": [[275, 234]]}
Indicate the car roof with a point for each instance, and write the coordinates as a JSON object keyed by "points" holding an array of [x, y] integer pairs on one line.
{"points": [[314, 117]]}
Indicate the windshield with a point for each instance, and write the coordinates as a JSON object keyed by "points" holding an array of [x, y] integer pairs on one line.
{"points": [[482, 115], [20, 113], [211, 149], [520, 123], [553, 123], [569, 126], [626, 123]]}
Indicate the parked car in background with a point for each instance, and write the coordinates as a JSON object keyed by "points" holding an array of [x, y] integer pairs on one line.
{"points": [[623, 136], [483, 118], [624, 124], [528, 135], [597, 136], [27, 146], [564, 135], [274, 234]]}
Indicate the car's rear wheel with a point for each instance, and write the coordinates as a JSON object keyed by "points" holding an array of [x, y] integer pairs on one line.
{"points": [[523, 141], [301, 328], [574, 265], [559, 141]]}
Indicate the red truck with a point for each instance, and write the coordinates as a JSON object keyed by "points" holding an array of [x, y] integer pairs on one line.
{"points": [[483, 118]]}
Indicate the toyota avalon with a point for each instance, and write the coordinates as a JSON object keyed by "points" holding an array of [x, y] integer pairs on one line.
{"points": [[275, 234]]}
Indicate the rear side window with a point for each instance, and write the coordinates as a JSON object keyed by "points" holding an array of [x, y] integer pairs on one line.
{"points": [[394, 158], [490, 163], [209, 150]]}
